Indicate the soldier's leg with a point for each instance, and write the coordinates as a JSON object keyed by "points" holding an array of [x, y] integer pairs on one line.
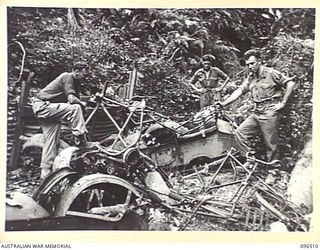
{"points": [[269, 124], [72, 113], [205, 100], [51, 133], [248, 129]]}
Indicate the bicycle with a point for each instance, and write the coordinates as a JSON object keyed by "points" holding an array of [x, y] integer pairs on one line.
{"points": [[252, 201]]}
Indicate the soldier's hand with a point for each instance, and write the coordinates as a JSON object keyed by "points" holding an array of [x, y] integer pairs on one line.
{"points": [[110, 92], [219, 104], [195, 88], [277, 106], [83, 106], [91, 103]]}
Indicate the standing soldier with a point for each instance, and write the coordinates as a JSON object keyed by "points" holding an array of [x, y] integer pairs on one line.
{"points": [[270, 91], [205, 81]]}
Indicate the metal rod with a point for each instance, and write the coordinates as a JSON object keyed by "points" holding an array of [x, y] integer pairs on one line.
{"points": [[244, 184], [92, 113], [128, 198], [247, 218], [218, 170], [261, 220], [271, 208], [110, 117], [204, 213], [254, 218], [118, 217], [225, 185], [198, 175], [117, 126]]}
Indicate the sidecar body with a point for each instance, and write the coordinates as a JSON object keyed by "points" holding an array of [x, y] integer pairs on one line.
{"points": [[171, 149]]}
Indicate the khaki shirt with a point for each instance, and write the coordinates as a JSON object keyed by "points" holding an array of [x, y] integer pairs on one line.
{"points": [[59, 89], [208, 79], [268, 85]]}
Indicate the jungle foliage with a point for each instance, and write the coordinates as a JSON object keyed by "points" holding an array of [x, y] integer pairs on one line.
{"points": [[166, 46]]}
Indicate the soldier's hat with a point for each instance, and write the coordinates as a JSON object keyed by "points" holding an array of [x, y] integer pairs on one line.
{"points": [[208, 58]]}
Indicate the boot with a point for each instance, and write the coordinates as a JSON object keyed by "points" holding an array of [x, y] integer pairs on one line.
{"points": [[82, 142]]}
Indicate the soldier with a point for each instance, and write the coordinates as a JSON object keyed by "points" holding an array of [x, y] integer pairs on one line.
{"points": [[270, 91], [59, 101], [205, 80]]}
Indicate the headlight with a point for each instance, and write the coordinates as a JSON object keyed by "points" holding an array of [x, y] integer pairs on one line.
{"points": [[132, 157]]}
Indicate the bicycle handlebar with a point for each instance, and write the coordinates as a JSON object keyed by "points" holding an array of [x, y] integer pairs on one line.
{"points": [[253, 158]]}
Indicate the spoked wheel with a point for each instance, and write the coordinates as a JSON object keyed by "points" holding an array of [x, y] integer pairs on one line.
{"points": [[104, 197]]}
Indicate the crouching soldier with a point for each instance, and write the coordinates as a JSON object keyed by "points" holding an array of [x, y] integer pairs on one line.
{"points": [[59, 101]]}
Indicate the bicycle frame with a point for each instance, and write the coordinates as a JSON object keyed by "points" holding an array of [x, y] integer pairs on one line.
{"points": [[258, 191]]}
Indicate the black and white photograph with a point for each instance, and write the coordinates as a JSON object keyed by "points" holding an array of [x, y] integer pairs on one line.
{"points": [[160, 119]]}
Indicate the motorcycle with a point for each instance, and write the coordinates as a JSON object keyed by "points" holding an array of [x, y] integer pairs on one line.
{"points": [[116, 181]]}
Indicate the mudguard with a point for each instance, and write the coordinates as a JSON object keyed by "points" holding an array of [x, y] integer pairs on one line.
{"points": [[52, 180], [63, 158], [86, 182]]}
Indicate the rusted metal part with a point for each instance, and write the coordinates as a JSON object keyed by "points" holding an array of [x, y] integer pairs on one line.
{"points": [[59, 223], [245, 183], [216, 212], [93, 188], [52, 180], [271, 208], [262, 215], [177, 152], [22, 207], [199, 177], [248, 215], [223, 185], [255, 219], [87, 182], [220, 167], [129, 221], [104, 217]]}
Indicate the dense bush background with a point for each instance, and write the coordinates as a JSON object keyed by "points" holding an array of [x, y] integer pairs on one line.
{"points": [[165, 45]]}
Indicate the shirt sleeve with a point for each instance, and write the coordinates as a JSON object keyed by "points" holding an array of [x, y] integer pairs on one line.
{"points": [[68, 85], [279, 78], [221, 74], [245, 85], [195, 77]]}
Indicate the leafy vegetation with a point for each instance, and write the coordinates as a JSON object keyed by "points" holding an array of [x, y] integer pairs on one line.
{"points": [[166, 46]]}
